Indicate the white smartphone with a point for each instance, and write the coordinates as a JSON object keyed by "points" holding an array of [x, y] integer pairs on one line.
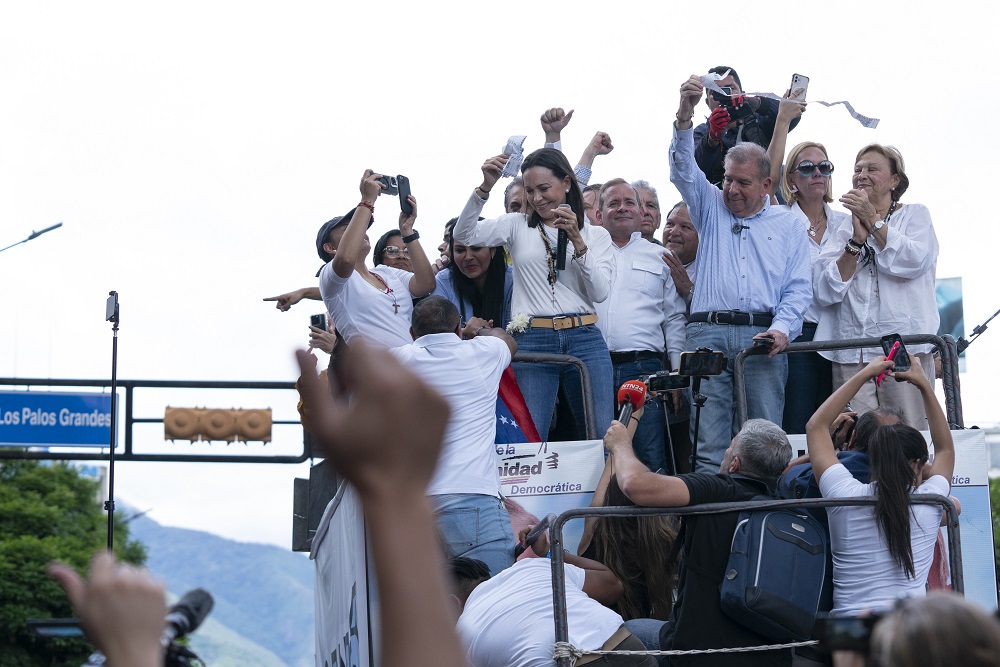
{"points": [[799, 81]]}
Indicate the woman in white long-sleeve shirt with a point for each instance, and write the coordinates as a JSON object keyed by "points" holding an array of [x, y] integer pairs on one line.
{"points": [[555, 308], [876, 276]]}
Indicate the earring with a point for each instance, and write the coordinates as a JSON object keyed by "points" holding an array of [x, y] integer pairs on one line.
{"points": [[794, 188], [567, 190]]}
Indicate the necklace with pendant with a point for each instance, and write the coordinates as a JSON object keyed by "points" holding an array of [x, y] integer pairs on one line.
{"points": [[386, 290], [814, 226]]}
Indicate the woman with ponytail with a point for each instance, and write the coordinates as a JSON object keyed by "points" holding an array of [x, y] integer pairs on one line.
{"points": [[884, 552]]}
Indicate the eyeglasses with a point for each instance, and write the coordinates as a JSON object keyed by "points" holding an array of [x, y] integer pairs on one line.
{"points": [[807, 168], [395, 251]]}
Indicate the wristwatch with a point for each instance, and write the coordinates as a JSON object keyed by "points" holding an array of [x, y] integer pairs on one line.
{"points": [[879, 225]]}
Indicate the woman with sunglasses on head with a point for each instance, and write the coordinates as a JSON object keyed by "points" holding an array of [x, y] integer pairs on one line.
{"points": [[552, 308], [876, 276], [806, 186]]}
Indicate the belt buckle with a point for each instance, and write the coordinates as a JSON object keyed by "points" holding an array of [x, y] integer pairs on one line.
{"points": [[558, 322], [713, 316]]}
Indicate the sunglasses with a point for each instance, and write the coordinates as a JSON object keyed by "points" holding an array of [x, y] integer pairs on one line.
{"points": [[807, 168], [395, 251]]}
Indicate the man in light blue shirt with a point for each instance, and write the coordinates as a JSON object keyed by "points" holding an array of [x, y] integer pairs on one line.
{"points": [[754, 278]]}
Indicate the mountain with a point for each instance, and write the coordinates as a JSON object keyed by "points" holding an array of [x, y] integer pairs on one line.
{"points": [[263, 612]]}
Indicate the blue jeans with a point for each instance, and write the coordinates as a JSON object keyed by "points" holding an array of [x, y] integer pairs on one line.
{"points": [[765, 383], [810, 382], [540, 382], [475, 526], [648, 441]]}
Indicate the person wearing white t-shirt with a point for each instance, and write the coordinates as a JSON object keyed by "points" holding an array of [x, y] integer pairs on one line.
{"points": [[362, 302], [884, 552], [507, 620], [465, 488]]}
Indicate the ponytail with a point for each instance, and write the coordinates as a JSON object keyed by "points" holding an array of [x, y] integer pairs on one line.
{"points": [[891, 450]]}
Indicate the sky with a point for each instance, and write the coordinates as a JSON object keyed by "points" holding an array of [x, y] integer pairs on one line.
{"points": [[192, 149]]}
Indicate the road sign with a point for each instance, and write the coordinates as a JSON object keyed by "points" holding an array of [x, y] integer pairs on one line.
{"points": [[41, 418]]}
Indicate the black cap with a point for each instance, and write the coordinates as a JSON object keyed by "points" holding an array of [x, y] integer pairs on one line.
{"points": [[323, 235]]}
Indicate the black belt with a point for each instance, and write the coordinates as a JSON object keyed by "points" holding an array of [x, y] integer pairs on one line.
{"points": [[733, 317], [631, 357]]}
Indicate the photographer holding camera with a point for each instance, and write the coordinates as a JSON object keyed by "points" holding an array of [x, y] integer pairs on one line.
{"points": [[381, 316], [734, 119]]}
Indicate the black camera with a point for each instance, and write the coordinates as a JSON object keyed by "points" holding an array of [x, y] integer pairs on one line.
{"points": [[847, 633], [318, 321], [726, 99], [390, 185], [398, 185]]}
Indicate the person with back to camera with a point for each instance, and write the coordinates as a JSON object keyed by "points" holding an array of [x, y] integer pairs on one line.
{"points": [[465, 489], [876, 276], [370, 304], [552, 310], [939, 630], [883, 552]]}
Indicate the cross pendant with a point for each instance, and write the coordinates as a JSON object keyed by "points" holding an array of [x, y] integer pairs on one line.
{"points": [[395, 308]]}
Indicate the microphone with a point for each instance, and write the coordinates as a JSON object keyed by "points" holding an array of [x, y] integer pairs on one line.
{"points": [[561, 242], [738, 227], [185, 616], [630, 396], [35, 235]]}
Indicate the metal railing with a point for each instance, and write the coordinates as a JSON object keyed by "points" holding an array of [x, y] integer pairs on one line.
{"points": [[129, 453], [945, 344], [589, 418], [557, 547]]}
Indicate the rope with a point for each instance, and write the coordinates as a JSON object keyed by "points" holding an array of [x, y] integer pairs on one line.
{"points": [[567, 650]]}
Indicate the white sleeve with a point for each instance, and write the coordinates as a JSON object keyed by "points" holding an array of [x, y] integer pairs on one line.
{"points": [[472, 231]]}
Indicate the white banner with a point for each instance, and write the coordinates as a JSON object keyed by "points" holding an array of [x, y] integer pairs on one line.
{"points": [[341, 593], [550, 478]]}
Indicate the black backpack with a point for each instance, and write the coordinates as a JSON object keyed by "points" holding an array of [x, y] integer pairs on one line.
{"points": [[774, 578]]}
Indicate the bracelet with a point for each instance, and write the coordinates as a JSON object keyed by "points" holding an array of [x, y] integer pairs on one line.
{"points": [[479, 330], [635, 418], [484, 196], [683, 120], [412, 237], [852, 250], [368, 205], [580, 253]]}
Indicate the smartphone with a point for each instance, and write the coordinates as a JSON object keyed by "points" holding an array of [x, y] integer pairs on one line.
{"points": [[702, 363], [664, 381], [763, 341], [390, 186], [902, 359], [849, 633], [799, 81], [111, 308], [318, 321], [403, 185]]}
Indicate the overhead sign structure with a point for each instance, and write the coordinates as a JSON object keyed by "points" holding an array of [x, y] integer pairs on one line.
{"points": [[41, 418]]}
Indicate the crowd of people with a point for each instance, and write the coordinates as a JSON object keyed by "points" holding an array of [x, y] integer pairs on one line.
{"points": [[753, 255]]}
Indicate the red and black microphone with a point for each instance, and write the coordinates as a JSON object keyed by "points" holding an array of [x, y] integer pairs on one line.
{"points": [[630, 397]]}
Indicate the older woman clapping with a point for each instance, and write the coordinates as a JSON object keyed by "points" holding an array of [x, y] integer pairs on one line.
{"points": [[876, 276]]}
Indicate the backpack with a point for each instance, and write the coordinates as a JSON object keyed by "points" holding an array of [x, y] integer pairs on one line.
{"points": [[774, 576]]}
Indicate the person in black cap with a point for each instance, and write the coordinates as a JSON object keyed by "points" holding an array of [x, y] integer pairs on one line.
{"points": [[375, 305]]}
